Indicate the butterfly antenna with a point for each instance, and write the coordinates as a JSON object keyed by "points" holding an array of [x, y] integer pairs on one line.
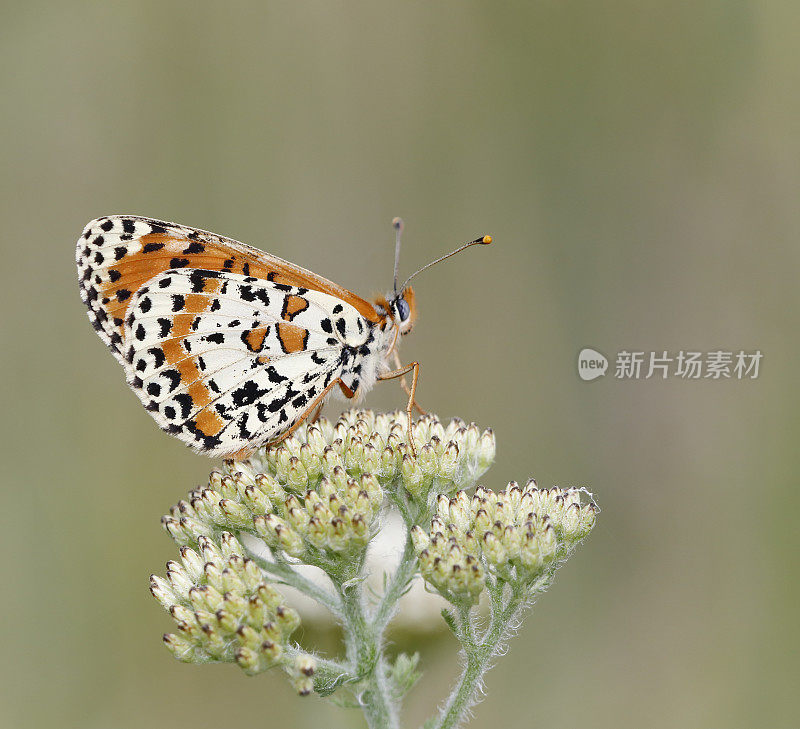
{"points": [[397, 224], [483, 240]]}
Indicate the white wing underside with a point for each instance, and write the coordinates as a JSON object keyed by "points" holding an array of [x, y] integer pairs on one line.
{"points": [[237, 364]]}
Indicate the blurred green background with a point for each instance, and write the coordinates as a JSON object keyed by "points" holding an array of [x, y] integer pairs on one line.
{"points": [[638, 164]]}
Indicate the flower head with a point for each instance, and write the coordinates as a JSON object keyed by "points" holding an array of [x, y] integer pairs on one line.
{"points": [[223, 609], [508, 537], [317, 495]]}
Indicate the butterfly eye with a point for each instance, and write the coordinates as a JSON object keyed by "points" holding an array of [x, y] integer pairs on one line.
{"points": [[403, 309]]}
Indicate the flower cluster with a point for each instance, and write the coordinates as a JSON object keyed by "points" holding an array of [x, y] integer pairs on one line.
{"points": [[449, 456], [317, 498], [318, 494], [225, 612], [506, 537], [336, 517]]}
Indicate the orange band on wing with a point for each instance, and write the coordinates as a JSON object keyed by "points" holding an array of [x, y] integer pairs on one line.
{"points": [[208, 422]]}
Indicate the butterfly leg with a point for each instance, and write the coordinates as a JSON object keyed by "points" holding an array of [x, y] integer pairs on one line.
{"points": [[404, 385], [413, 367], [316, 403]]}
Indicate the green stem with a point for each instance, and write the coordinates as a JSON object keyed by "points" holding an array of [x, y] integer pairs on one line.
{"points": [[396, 588], [479, 655], [365, 657]]}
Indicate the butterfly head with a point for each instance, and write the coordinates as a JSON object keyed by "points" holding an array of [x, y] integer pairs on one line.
{"points": [[404, 310]]}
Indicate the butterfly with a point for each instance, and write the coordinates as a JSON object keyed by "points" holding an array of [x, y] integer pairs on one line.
{"points": [[228, 347]]}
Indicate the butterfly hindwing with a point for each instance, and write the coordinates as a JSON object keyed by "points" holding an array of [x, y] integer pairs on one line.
{"points": [[224, 361]]}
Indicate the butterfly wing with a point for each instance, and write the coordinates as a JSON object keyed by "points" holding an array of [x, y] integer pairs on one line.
{"points": [[118, 254], [225, 361], [226, 346]]}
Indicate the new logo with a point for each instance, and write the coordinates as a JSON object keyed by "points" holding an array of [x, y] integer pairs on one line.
{"points": [[591, 364]]}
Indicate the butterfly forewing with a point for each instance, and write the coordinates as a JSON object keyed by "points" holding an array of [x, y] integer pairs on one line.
{"points": [[117, 255]]}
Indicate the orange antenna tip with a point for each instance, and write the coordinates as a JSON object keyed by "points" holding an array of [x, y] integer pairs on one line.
{"points": [[486, 239]]}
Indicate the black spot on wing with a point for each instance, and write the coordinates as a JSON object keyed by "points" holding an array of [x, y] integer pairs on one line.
{"points": [[194, 247], [247, 394], [247, 293], [158, 355], [184, 399], [275, 376], [174, 378]]}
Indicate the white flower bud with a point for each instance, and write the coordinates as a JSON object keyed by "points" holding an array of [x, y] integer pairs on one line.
{"points": [[571, 521], [485, 450], [312, 462], [192, 563], [162, 591], [235, 514], [195, 528], [179, 581], [588, 518], [296, 476], [419, 539], [181, 648], [448, 464], [494, 550]]}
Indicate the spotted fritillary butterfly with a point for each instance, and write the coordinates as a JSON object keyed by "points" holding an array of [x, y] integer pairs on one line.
{"points": [[229, 347]]}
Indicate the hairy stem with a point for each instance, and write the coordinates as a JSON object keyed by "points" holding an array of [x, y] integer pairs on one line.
{"points": [[479, 653], [365, 657], [396, 588]]}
